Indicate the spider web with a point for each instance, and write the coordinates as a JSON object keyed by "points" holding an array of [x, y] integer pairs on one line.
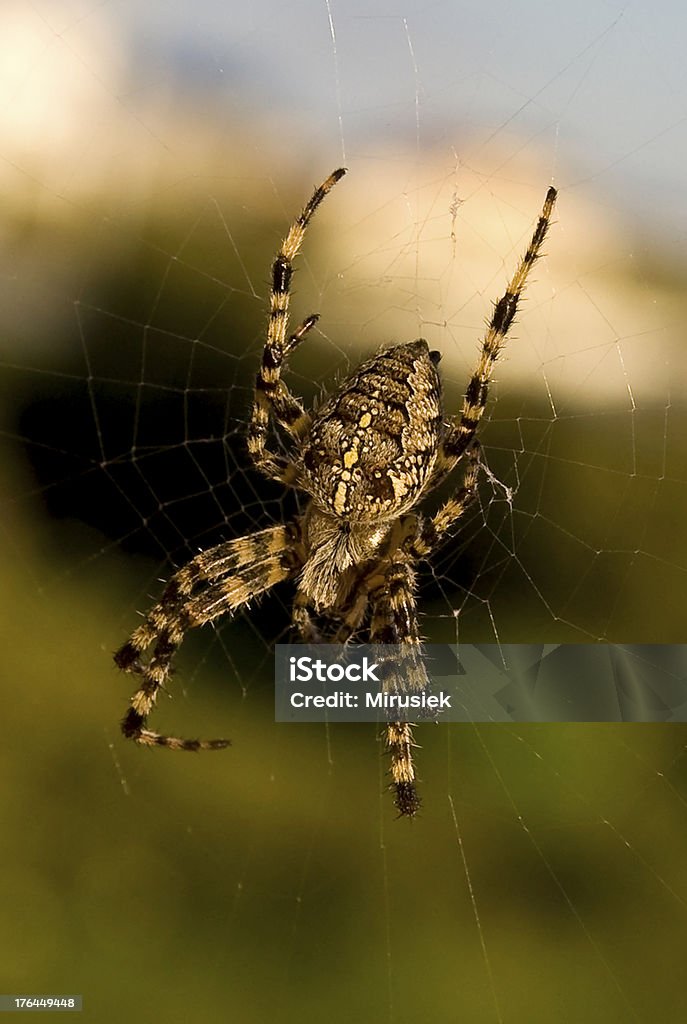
{"points": [[150, 168]]}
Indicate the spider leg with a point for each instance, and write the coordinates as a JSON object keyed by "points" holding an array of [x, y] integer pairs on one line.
{"points": [[288, 411], [228, 575], [271, 394], [352, 616], [347, 620], [297, 337], [461, 429], [434, 530], [394, 621], [302, 620]]}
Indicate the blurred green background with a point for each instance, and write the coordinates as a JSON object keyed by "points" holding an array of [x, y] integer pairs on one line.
{"points": [[544, 879]]}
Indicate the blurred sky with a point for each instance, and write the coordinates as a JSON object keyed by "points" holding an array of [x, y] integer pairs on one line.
{"points": [[600, 86], [606, 81]]}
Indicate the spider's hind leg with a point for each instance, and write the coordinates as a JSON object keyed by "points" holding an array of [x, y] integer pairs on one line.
{"points": [[271, 394], [462, 428]]}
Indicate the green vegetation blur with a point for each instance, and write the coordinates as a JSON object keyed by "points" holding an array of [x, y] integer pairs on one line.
{"points": [[544, 879]]}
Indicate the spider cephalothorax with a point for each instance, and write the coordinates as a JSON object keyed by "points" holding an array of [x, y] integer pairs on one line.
{"points": [[369, 455]]}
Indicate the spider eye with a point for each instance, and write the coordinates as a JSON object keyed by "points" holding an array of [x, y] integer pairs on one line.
{"points": [[435, 357]]}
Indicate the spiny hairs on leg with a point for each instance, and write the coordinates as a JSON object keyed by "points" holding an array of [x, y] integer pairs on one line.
{"points": [[499, 324], [269, 390], [398, 739], [394, 621], [229, 575]]}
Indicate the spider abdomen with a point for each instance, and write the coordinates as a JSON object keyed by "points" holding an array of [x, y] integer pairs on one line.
{"points": [[372, 445]]}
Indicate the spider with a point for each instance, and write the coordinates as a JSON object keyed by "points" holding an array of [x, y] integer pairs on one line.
{"points": [[365, 459]]}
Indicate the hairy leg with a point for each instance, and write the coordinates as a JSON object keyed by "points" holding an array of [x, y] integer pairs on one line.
{"points": [[271, 394], [462, 428], [394, 621], [215, 582]]}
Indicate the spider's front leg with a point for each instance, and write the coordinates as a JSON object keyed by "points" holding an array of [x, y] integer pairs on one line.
{"points": [[271, 394], [215, 582]]}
